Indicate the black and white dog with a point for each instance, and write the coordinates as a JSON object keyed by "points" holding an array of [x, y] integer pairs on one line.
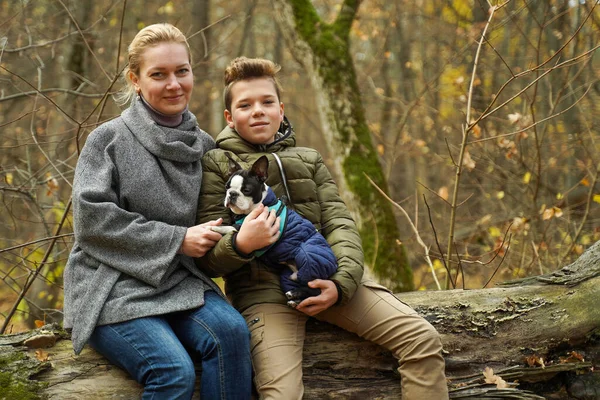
{"points": [[301, 252]]}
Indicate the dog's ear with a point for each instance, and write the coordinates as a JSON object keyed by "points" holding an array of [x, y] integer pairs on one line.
{"points": [[233, 165], [260, 168]]}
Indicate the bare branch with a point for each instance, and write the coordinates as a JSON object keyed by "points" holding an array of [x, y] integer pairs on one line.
{"points": [[63, 112], [539, 121], [31, 277], [448, 272], [413, 227], [501, 261], [65, 235], [85, 40], [51, 90]]}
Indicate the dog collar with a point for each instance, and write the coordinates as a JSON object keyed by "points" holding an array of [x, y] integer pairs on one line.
{"points": [[281, 211]]}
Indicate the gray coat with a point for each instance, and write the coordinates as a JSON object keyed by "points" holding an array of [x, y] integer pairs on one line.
{"points": [[135, 192]]}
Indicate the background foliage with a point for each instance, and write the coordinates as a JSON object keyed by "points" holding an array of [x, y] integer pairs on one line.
{"points": [[528, 199]]}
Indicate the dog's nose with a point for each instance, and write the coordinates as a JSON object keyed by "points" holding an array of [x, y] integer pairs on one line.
{"points": [[233, 196]]}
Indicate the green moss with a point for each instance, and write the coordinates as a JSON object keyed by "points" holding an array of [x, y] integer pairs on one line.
{"points": [[15, 372], [8, 358], [386, 256], [307, 25], [13, 389], [331, 46]]}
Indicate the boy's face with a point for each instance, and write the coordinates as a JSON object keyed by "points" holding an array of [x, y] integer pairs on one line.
{"points": [[256, 111]]}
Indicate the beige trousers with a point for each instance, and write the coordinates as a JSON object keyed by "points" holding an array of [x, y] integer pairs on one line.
{"points": [[375, 314]]}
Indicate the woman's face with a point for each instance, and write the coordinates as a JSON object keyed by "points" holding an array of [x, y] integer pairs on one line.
{"points": [[165, 78]]}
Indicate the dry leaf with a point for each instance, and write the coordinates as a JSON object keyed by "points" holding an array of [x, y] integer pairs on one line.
{"points": [[41, 355], [443, 192], [573, 357], [534, 360], [476, 131], [38, 323], [514, 118], [52, 184], [488, 373], [548, 214], [557, 212], [468, 162]]}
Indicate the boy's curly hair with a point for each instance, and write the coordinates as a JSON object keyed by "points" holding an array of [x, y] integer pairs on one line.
{"points": [[243, 68]]}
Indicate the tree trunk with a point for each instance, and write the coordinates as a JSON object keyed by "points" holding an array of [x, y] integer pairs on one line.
{"points": [[542, 332], [324, 51]]}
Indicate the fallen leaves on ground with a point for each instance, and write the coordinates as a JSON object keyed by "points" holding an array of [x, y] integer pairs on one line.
{"points": [[500, 383]]}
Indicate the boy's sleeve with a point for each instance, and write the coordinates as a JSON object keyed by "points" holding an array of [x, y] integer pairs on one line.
{"points": [[223, 258], [341, 233]]}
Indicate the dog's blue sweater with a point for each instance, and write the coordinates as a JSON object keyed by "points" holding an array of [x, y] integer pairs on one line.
{"points": [[299, 242]]}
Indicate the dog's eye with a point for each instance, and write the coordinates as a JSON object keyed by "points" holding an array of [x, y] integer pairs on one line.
{"points": [[246, 192]]}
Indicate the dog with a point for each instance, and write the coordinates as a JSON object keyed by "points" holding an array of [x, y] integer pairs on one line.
{"points": [[301, 253]]}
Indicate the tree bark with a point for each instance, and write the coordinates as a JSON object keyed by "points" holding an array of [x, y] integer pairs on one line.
{"points": [[551, 322], [324, 51]]}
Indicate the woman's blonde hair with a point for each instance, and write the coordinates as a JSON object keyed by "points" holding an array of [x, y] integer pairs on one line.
{"points": [[149, 36], [242, 68]]}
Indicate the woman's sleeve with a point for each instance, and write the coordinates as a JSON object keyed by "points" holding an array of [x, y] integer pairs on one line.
{"points": [[341, 233], [124, 240], [223, 258]]}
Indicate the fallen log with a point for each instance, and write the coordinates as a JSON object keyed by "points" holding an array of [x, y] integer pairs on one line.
{"points": [[540, 335]]}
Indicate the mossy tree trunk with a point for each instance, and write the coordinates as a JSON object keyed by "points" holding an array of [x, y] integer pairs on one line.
{"points": [[323, 49]]}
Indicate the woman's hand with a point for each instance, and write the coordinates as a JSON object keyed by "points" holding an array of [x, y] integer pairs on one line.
{"points": [[328, 297], [199, 239], [260, 229]]}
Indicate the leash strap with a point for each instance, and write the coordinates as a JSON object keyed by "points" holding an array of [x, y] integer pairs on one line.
{"points": [[283, 179]]}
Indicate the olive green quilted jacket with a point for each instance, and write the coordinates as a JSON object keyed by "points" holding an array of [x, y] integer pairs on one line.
{"points": [[314, 195]]}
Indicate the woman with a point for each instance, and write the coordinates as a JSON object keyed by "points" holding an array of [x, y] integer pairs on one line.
{"points": [[132, 290]]}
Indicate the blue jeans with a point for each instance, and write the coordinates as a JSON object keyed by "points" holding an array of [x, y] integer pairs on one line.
{"points": [[159, 351]]}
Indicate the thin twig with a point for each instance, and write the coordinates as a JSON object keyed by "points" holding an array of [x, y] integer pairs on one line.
{"points": [[584, 218], [40, 93], [459, 268], [435, 236], [85, 40], [64, 235], [413, 227], [432, 192], [54, 41], [501, 261], [19, 118], [31, 277], [466, 129], [209, 26], [539, 121], [50, 90]]}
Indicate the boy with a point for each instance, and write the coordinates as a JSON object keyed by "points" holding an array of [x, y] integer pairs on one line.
{"points": [[256, 126]]}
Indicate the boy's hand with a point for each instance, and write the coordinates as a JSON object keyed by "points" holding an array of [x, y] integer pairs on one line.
{"points": [[260, 229], [328, 297], [199, 240]]}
